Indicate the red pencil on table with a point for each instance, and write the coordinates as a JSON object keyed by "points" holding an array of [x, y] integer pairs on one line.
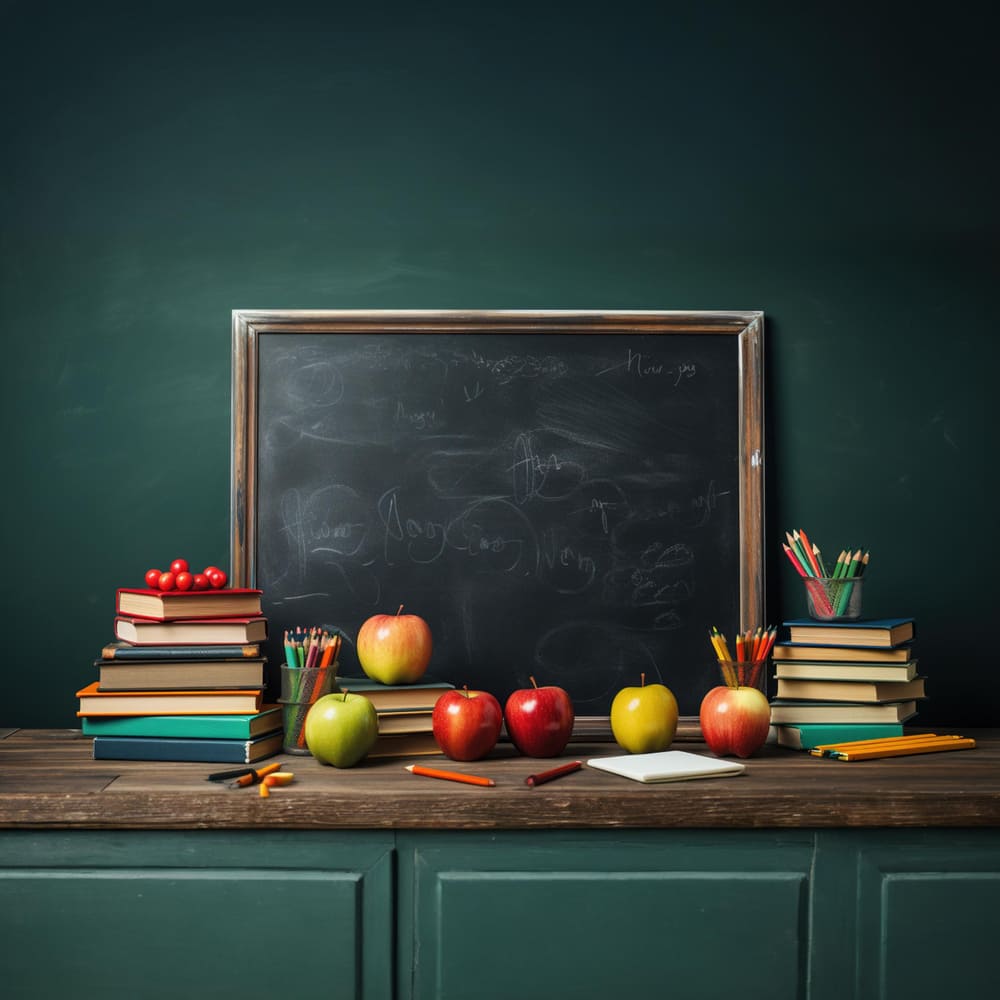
{"points": [[556, 772]]}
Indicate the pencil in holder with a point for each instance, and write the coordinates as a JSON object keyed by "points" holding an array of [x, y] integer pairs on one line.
{"points": [[830, 600], [300, 689]]}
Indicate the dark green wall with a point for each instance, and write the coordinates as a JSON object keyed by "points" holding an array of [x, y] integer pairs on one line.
{"points": [[161, 168]]}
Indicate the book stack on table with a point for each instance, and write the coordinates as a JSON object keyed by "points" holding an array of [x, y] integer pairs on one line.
{"points": [[404, 714], [844, 680], [183, 680]]}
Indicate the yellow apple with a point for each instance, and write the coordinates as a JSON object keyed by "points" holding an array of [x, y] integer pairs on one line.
{"points": [[644, 718]]}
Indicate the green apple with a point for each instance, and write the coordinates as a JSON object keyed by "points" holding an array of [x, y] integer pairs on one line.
{"points": [[341, 728], [644, 718]]}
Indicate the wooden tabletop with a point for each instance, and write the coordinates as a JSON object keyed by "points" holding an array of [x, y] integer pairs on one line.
{"points": [[48, 780]]}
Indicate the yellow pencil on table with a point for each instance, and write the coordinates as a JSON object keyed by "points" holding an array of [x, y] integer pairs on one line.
{"points": [[893, 747], [882, 741]]}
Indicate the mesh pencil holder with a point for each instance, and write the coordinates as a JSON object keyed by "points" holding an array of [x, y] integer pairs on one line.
{"points": [[830, 600], [300, 689]]}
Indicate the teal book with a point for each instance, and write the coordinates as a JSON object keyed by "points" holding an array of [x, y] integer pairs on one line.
{"points": [[187, 749], [211, 727], [806, 737]]}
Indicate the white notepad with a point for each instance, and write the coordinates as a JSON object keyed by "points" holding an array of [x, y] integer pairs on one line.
{"points": [[667, 765]]}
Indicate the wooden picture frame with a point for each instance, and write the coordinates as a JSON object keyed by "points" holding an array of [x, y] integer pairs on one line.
{"points": [[296, 340]]}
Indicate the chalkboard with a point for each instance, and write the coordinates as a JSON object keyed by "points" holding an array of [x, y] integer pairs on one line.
{"points": [[571, 496]]}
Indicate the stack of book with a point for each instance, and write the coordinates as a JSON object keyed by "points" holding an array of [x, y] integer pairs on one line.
{"points": [[844, 680], [183, 680], [404, 714]]}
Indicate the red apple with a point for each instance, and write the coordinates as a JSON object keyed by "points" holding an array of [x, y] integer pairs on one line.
{"points": [[395, 649], [467, 723], [539, 720], [735, 720]]}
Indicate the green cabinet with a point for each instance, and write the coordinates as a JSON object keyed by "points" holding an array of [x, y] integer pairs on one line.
{"points": [[926, 916], [144, 916], [862, 914], [578, 915]]}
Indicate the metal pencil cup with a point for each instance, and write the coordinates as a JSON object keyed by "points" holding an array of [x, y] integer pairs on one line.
{"points": [[300, 688], [831, 600]]}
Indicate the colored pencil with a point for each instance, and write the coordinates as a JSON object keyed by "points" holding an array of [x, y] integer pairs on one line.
{"points": [[556, 772], [808, 549], [899, 749], [255, 775], [467, 779], [753, 647]]}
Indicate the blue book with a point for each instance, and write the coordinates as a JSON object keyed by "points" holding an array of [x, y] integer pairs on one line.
{"points": [[206, 727], [877, 633], [187, 749]]}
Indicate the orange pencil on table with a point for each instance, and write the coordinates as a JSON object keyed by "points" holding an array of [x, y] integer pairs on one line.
{"points": [[255, 775], [467, 779]]}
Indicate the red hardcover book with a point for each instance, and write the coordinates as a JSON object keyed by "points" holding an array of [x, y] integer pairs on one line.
{"points": [[190, 631], [166, 605]]}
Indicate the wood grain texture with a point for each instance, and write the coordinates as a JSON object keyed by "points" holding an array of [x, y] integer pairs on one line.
{"points": [[48, 779]]}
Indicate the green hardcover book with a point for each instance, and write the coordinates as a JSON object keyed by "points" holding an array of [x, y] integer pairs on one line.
{"points": [[806, 736], [208, 727], [126, 651]]}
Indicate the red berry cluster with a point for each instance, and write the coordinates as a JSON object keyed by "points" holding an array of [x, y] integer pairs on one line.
{"points": [[179, 577]]}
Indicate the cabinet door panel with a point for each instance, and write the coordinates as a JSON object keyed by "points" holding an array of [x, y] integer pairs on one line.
{"points": [[927, 907], [264, 921], [647, 919]]}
